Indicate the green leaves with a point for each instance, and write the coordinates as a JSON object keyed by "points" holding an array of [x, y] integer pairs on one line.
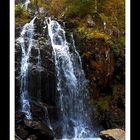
{"points": [[21, 14], [79, 8], [19, 9]]}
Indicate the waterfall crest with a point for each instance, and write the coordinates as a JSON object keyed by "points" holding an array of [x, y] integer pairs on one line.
{"points": [[27, 2], [71, 85]]}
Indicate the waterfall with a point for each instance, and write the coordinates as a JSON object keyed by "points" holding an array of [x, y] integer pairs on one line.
{"points": [[26, 4], [72, 92], [26, 35]]}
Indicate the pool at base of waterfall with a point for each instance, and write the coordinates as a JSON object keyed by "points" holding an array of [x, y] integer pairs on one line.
{"points": [[80, 139]]}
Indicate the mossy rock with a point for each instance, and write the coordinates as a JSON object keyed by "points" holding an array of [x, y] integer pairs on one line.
{"points": [[103, 103]]}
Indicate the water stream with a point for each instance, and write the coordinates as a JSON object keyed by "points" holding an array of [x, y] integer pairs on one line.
{"points": [[27, 2], [26, 35], [71, 87]]}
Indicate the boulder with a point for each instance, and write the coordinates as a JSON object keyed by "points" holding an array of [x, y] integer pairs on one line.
{"points": [[32, 129], [113, 134]]}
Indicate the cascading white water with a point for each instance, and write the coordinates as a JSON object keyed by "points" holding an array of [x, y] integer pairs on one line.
{"points": [[71, 85], [80, 139], [26, 34], [27, 2]]}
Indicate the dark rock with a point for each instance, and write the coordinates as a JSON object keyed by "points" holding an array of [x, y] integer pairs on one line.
{"points": [[121, 102], [112, 119], [40, 77], [39, 24], [41, 82], [17, 137], [18, 30], [22, 133], [42, 130], [32, 137], [32, 129]]}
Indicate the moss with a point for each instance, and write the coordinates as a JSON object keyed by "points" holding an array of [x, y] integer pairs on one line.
{"points": [[98, 35], [103, 103], [117, 91], [93, 34], [104, 17], [19, 9], [88, 32], [121, 41]]}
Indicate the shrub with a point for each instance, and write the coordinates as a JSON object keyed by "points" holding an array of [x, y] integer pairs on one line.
{"points": [[79, 8], [21, 15], [19, 9]]}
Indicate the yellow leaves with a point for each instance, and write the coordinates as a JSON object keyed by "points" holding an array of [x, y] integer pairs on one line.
{"points": [[56, 7], [39, 3], [98, 35], [91, 33], [81, 29], [104, 17], [103, 103], [22, 15]]}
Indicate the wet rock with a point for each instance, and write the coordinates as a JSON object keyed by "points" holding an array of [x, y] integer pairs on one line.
{"points": [[112, 119], [17, 137], [41, 82], [32, 137], [43, 130], [32, 129], [39, 23], [22, 133], [113, 134], [40, 75]]}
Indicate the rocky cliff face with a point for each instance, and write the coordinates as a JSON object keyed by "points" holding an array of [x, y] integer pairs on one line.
{"points": [[41, 85], [106, 90]]}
